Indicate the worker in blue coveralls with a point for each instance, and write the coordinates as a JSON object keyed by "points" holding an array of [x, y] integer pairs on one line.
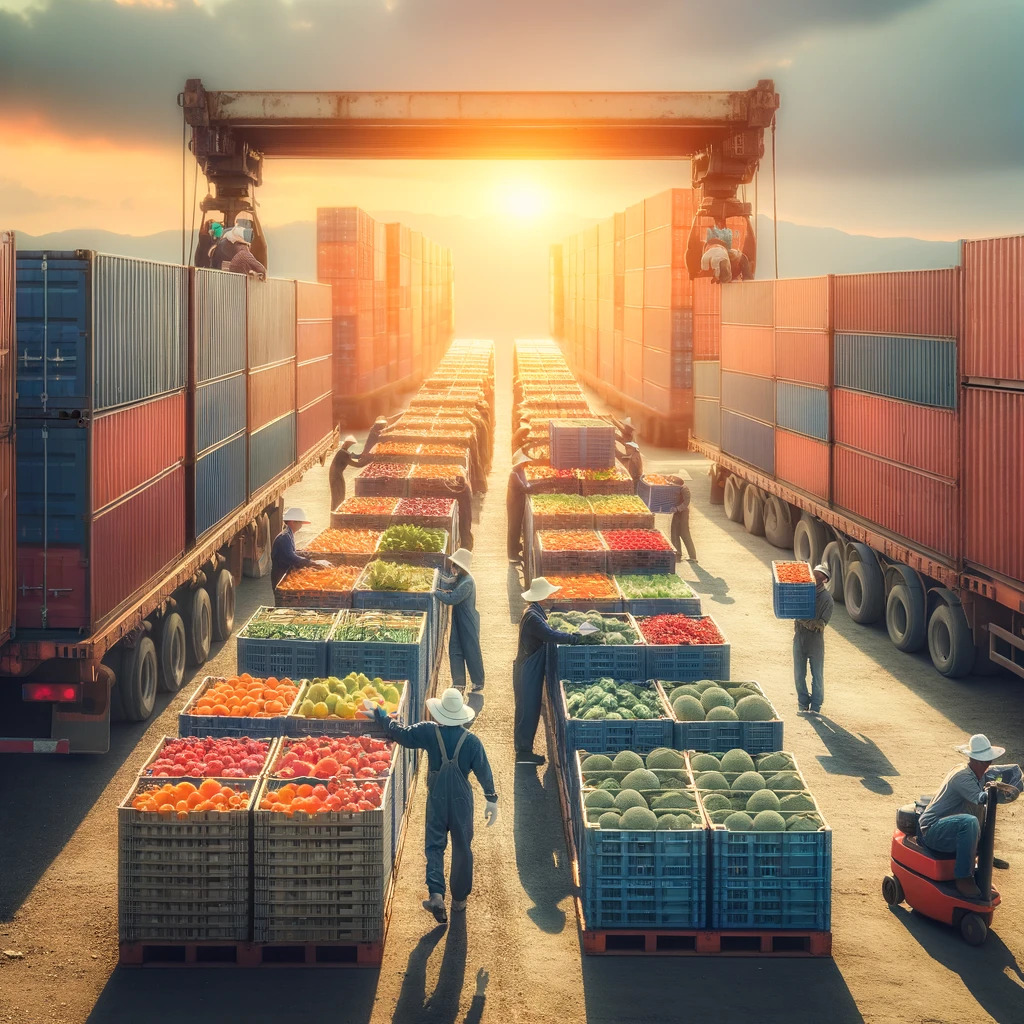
{"points": [[458, 589], [529, 668], [283, 554], [452, 753]]}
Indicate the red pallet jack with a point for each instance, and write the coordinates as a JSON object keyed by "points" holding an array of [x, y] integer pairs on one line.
{"points": [[924, 879]]}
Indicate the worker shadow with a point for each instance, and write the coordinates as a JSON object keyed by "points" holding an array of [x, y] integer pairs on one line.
{"points": [[515, 587], [540, 852], [414, 1006], [715, 587], [991, 972], [853, 754]]}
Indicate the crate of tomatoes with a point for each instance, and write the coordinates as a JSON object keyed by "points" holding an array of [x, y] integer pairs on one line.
{"points": [[589, 591], [364, 513], [793, 590], [383, 479], [684, 648], [568, 551], [639, 551]]}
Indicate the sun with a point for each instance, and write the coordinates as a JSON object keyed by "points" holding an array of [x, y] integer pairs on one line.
{"points": [[523, 200]]}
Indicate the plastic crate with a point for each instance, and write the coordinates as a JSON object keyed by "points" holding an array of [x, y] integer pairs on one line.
{"points": [[354, 558], [579, 662], [362, 520], [578, 445], [381, 487], [645, 903], [291, 659], [613, 486], [685, 663], [647, 606], [567, 562], [147, 773], [641, 736], [190, 724], [792, 600], [638, 563], [332, 599], [430, 559], [604, 605], [659, 498], [295, 725], [753, 737], [625, 521], [773, 903]]}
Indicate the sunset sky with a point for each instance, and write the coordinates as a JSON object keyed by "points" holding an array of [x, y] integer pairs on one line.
{"points": [[899, 117]]}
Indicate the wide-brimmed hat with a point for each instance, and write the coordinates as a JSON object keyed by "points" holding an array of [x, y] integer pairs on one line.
{"points": [[519, 458], [540, 589], [296, 515], [978, 748], [824, 570], [450, 708], [348, 441], [463, 559]]}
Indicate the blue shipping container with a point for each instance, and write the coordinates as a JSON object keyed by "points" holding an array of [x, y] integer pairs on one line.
{"points": [[219, 311], [921, 370], [749, 395], [271, 451], [219, 483], [707, 424], [749, 440], [802, 409], [55, 451], [96, 332], [220, 411]]}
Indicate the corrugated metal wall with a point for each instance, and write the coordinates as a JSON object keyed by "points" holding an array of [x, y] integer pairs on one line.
{"points": [[921, 370], [804, 356], [7, 343], [271, 306], [925, 303], [751, 396], [220, 482], [219, 312], [707, 381], [52, 588], [313, 424], [749, 302], [8, 549], [749, 440], [271, 391], [707, 420], [52, 481], [271, 451], [803, 462], [748, 349], [994, 315], [220, 410], [802, 409]]}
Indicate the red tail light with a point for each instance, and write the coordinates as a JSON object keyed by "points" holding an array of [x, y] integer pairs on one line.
{"points": [[64, 693]]}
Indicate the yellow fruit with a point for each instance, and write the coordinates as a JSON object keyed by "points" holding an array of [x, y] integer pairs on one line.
{"points": [[391, 694], [346, 710], [320, 710], [331, 700], [306, 709]]}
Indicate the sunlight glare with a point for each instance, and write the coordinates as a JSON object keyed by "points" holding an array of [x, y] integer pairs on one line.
{"points": [[523, 200]]}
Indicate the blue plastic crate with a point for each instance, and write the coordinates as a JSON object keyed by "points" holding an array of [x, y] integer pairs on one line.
{"points": [[739, 856], [792, 600], [753, 737], [659, 498], [687, 663], [641, 736], [644, 607], [579, 662], [221, 725], [578, 446], [804, 903], [650, 903]]}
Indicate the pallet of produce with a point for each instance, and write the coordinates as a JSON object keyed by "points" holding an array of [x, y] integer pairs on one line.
{"points": [[440, 452], [559, 512], [595, 657], [383, 479], [431, 513], [639, 551], [793, 590], [183, 860], [285, 642], [396, 451], [434, 480], [401, 587], [771, 848], [226, 757], [612, 715], [620, 512], [681, 648], [605, 481], [334, 707], [548, 480], [656, 594], [414, 545], [641, 840], [566, 551], [317, 587], [721, 715], [658, 493], [586, 592], [240, 706], [364, 514], [582, 442], [345, 546]]}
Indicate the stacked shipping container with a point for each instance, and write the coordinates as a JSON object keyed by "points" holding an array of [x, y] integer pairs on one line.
{"points": [[8, 572], [314, 398]]}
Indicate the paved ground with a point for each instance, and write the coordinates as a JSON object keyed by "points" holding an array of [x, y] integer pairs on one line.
{"points": [[889, 728]]}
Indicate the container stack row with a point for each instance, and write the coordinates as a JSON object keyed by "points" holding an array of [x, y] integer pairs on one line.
{"points": [[8, 532]]}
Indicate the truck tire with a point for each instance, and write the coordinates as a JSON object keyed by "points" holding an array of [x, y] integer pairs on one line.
{"points": [[950, 643], [809, 539], [733, 498], [832, 556], [259, 565], [778, 523], [717, 495], [171, 653], [198, 627], [753, 511], [864, 591], [222, 594], [906, 618], [113, 661], [138, 680]]}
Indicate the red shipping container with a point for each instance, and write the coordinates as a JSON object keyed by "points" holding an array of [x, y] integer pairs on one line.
{"points": [[707, 336], [920, 436], [803, 303], [748, 302], [658, 287], [707, 298], [993, 480], [633, 324], [657, 366], [271, 393], [633, 288], [635, 253], [8, 555], [67, 603], [632, 358], [922, 303], [804, 356], [313, 338], [351, 297], [632, 387], [994, 318], [312, 380], [135, 444], [7, 343], [312, 301], [344, 260], [314, 423], [634, 223], [748, 349], [921, 508], [803, 462]]}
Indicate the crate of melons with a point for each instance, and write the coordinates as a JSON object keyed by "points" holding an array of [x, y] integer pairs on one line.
{"points": [[334, 707], [720, 715]]}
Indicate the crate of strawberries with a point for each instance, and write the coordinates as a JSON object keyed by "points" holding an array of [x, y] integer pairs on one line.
{"points": [[793, 591]]}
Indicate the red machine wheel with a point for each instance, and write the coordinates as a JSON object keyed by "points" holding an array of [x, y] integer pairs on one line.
{"points": [[973, 929]]}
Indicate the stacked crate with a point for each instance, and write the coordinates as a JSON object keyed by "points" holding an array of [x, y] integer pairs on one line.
{"points": [[605, 349], [619, 300], [416, 242], [399, 307], [314, 369]]}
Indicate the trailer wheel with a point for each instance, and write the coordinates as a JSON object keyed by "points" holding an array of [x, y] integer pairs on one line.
{"points": [[113, 661], [906, 618], [832, 556], [223, 594], [198, 627], [717, 496], [171, 653], [809, 539], [778, 523], [950, 643], [864, 589], [753, 511], [258, 566], [732, 499], [138, 680]]}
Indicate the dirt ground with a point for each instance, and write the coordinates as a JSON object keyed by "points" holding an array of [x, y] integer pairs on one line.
{"points": [[887, 734]]}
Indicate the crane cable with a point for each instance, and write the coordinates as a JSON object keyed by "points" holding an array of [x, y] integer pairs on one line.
{"points": [[775, 203], [186, 255]]}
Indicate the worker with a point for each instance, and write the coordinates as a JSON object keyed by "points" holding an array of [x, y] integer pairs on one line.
{"points": [[380, 424], [515, 506], [809, 645], [243, 261], [681, 520], [717, 243], [529, 668], [520, 436], [343, 458], [452, 753], [633, 462], [624, 429], [224, 249], [463, 494], [209, 235], [951, 823], [283, 554], [458, 590]]}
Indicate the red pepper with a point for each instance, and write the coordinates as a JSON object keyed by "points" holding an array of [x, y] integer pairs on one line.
{"points": [[636, 540], [680, 630]]}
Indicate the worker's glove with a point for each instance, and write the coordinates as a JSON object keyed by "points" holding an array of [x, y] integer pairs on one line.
{"points": [[491, 812], [1005, 793], [323, 563], [375, 709]]}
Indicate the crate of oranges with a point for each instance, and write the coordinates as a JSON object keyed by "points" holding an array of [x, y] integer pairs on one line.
{"points": [[238, 706]]}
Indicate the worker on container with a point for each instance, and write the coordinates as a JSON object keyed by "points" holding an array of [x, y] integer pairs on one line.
{"points": [[283, 554], [951, 823], [515, 505], [458, 590], [452, 753], [633, 462], [242, 260], [809, 646], [343, 458], [380, 424], [681, 520], [530, 666], [209, 235], [463, 494]]}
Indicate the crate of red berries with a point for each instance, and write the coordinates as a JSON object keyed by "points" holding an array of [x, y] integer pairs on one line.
{"points": [[383, 479], [683, 648], [793, 590], [639, 551]]}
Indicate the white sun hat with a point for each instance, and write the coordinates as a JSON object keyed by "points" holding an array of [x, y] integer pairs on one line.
{"points": [[978, 748], [296, 515], [519, 458], [449, 708], [348, 440], [824, 570], [463, 559], [540, 589]]}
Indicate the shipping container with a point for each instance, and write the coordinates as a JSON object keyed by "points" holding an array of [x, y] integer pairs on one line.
{"points": [[804, 356], [220, 410], [748, 350], [7, 346], [314, 328], [96, 332], [707, 423], [343, 224], [271, 393], [749, 440], [271, 318], [802, 409], [52, 587], [994, 315], [803, 303], [918, 436], [993, 480], [911, 369], [748, 302], [219, 487], [751, 396], [219, 324], [707, 381], [313, 424], [8, 548], [313, 380], [803, 462], [271, 451], [922, 508], [923, 303]]}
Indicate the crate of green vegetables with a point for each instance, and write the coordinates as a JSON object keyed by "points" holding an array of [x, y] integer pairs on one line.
{"points": [[612, 715], [414, 545], [283, 642], [614, 650], [657, 594]]}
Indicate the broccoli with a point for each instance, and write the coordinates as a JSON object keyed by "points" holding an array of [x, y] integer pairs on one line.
{"points": [[597, 712]]}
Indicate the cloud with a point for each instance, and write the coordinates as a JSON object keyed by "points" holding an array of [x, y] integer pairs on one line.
{"points": [[16, 200]]}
